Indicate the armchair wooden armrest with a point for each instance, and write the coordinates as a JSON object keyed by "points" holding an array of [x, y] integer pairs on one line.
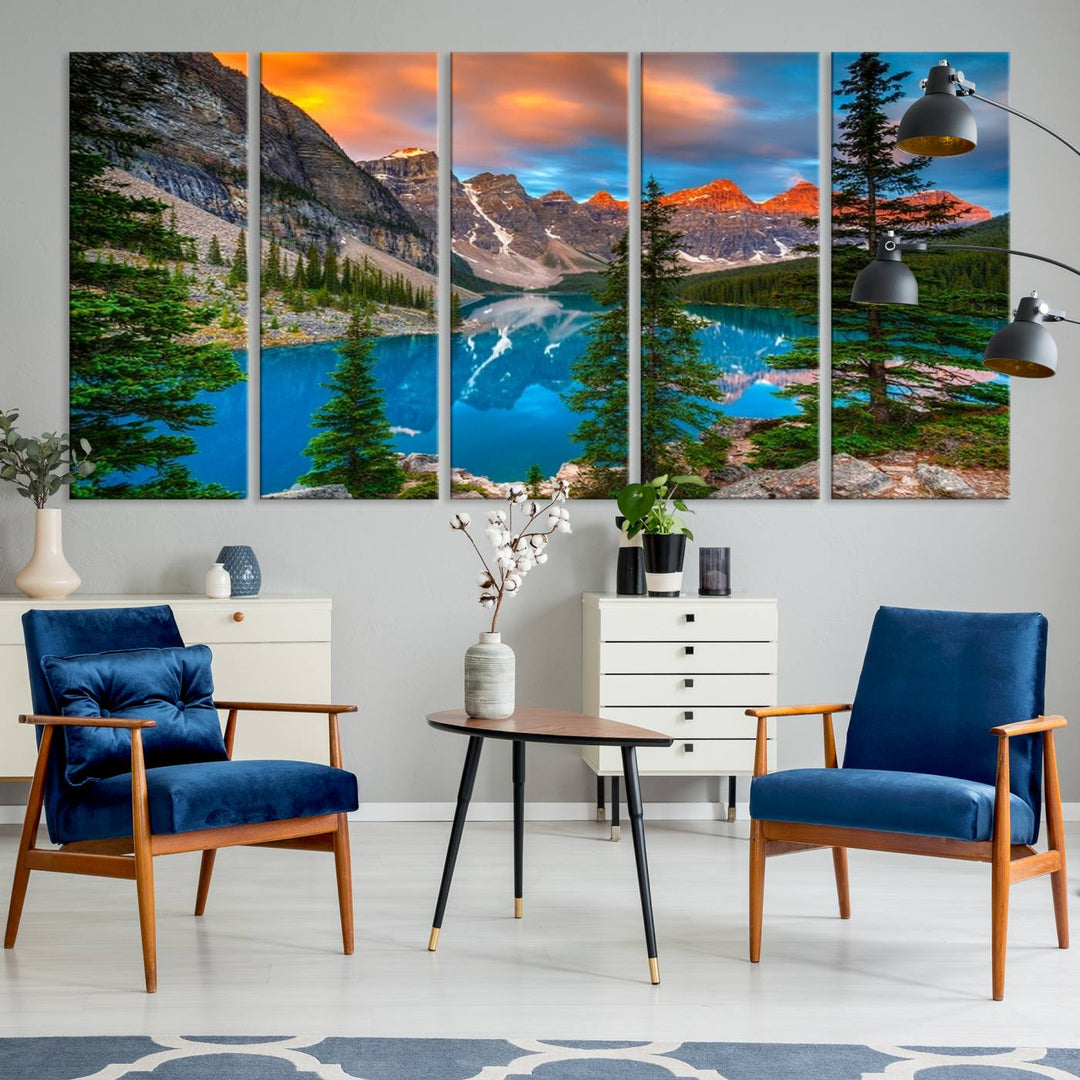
{"points": [[761, 766], [330, 711], [1029, 727], [797, 710], [87, 721]]}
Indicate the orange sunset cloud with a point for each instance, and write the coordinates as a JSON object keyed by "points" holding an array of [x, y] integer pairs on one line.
{"points": [[371, 103], [237, 60]]}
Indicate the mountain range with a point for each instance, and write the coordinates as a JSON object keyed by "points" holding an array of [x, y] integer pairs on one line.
{"points": [[386, 209]]}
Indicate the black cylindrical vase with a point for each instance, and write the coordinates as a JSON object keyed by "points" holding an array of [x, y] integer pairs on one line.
{"points": [[664, 555], [630, 570], [714, 571]]}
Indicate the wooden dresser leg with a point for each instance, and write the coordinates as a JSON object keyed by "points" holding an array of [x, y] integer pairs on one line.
{"points": [[757, 888]]}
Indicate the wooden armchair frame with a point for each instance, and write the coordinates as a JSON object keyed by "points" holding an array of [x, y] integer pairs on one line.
{"points": [[1009, 862], [132, 857]]}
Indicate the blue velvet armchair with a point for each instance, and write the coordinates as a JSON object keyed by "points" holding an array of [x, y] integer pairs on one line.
{"points": [[947, 751], [132, 763]]}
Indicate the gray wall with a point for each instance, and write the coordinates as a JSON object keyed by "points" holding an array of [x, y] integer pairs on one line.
{"points": [[402, 584]]}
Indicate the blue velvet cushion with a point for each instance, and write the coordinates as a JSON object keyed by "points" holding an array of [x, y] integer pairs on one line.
{"points": [[173, 687], [208, 795], [887, 800], [933, 683]]}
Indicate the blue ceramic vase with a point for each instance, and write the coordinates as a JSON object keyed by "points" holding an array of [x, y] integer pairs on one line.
{"points": [[244, 573]]}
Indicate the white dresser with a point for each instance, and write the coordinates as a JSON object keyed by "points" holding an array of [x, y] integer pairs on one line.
{"points": [[266, 648], [687, 666]]}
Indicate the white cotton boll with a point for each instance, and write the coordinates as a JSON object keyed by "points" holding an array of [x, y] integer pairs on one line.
{"points": [[485, 580], [541, 559], [494, 536], [553, 518], [563, 526], [487, 601]]}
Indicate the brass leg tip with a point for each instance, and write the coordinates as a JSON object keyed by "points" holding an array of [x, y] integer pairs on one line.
{"points": [[616, 832], [433, 940], [654, 971], [600, 813], [731, 813], [519, 907]]}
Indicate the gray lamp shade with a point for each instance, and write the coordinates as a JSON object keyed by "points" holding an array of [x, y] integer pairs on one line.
{"points": [[939, 124], [885, 281], [1025, 347]]}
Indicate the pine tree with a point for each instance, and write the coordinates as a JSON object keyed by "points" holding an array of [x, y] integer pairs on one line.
{"points": [[534, 477], [272, 276], [237, 275], [892, 358], [456, 318], [599, 390], [213, 254], [355, 444], [136, 382], [679, 389], [330, 270], [313, 273]]}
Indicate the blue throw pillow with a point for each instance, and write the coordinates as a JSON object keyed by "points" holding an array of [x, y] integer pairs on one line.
{"points": [[172, 686]]}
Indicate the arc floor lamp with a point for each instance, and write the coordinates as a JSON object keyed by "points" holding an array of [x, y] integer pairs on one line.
{"points": [[940, 124]]}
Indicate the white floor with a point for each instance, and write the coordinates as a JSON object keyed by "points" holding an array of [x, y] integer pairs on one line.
{"points": [[911, 966]]}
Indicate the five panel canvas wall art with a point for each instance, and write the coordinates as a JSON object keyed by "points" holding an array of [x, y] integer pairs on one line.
{"points": [[158, 273], [729, 271], [540, 268], [538, 207], [914, 413], [349, 210]]}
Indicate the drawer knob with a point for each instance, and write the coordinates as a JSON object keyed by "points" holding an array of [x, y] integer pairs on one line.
{"points": [[238, 616], [688, 747], [689, 650], [688, 715], [689, 616], [688, 683]]}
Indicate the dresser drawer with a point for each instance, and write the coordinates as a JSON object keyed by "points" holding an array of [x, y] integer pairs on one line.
{"points": [[686, 691], [683, 657], [214, 621], [691, 723], [709, 757], [688, 620]]}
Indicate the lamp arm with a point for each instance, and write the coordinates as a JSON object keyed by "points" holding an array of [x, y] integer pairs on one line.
{"points": [[1023, 116], [1003, 251]]}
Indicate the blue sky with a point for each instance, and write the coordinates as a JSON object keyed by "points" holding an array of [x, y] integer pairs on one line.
{"points": [[981, 177], [747, 117]]}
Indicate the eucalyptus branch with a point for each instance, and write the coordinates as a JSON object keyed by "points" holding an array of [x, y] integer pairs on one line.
{"points": [[39, 466]]}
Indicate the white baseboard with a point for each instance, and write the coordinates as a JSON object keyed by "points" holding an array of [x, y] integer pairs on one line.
{"points": [[12, 814]]}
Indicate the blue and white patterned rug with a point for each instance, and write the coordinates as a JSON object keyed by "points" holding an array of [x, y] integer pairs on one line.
{"points": [[284, 1058]]}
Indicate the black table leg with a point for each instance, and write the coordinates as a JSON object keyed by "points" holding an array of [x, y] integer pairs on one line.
{"points": [[615, 800], [600, 798], [731, 798], [637, 827], [468, 778], [519, 825]]}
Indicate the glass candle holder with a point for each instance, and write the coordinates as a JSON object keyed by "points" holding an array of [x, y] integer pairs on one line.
{"points": [[714, 571]]}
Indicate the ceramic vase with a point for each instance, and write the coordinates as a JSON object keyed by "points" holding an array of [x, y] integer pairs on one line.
{"points": [[48, 575], [489, 678], [243, 569], [664, 555], [218, 582], [630, 569]]}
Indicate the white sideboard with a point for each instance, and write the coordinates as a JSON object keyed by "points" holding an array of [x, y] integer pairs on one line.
{"points": [[266, 648], [688, 666]]}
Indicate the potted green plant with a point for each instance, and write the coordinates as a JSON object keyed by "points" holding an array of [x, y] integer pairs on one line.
{"points": [[650, 509], [38, 467]]}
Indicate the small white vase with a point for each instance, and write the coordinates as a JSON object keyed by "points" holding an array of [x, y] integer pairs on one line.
{"points": [[489, 678], [218, 582], [48, 575]]}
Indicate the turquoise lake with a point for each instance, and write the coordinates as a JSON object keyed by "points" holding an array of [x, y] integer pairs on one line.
{"points": [[507, 378]]}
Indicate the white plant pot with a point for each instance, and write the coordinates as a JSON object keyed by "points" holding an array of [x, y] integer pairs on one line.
{"points": [[48, 575], [489, 678]]}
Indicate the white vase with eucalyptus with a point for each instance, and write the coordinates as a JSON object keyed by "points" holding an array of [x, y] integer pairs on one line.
{"points": [[38, 467], [489, 664]]}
